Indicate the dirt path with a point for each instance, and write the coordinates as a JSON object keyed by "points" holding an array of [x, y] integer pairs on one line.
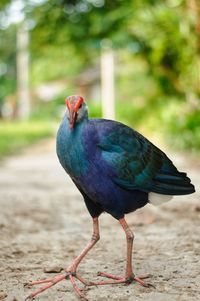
{"points": [[44, 223]]}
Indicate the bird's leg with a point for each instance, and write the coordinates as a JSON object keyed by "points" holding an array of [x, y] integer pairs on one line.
{"points": [[129, 239], [94, 239], [129, 275], [129, 269], [71, 270]]}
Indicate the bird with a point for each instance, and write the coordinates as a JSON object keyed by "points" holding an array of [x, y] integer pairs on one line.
{"points": [[117, 171]]}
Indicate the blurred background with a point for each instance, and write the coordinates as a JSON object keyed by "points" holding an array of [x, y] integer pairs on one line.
{"points": [[135, 61]]}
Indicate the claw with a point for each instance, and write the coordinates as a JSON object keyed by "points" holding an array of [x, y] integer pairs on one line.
{"points": [[28, 298], [151, 285], [27, 284], [143, 283]]}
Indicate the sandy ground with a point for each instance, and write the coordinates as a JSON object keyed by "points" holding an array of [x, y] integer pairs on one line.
{"points": [[44, 223]]}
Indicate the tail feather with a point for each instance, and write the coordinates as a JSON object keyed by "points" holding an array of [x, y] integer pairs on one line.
{"points": [[170, 181], [177, 179], [173, 184], [172, 189]]}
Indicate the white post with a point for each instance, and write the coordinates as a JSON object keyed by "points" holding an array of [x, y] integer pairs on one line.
{"points": [[107, 81], [23, 72]]}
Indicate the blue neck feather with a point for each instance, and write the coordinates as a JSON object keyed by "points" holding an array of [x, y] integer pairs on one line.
{"points": [[70, 149]]}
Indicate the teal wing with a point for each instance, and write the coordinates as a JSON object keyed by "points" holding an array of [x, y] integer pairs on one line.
{"points": [[138, 164]]}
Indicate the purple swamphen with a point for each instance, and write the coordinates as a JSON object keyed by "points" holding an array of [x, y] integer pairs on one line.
{"points": [[117, 171]]}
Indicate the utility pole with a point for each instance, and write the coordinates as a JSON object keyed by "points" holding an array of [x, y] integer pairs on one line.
{"points": [[107, 80], [23, 72]]}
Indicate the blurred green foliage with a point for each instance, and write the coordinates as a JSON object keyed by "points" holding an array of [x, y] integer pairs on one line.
{"points": [[7, 62], [157, 48], [15, 135], [185, 131], [164, 34]]}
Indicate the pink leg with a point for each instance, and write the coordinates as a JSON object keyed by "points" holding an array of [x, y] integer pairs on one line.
{"points": [[94, 239], [71, 270], [129, 275], [129, 239]]}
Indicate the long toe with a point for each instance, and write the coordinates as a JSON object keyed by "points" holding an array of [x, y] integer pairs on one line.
{"points": [[118, 279], [142, 282], [52, 281], [107, 275], [48, 283], [76, 288]]}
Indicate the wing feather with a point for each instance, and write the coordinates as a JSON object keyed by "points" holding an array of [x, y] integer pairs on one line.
{"points": [[138, 164]]}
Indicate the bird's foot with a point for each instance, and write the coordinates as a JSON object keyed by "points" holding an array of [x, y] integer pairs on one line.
{"points": [[52, 281], [117, 279], [72, 275]]}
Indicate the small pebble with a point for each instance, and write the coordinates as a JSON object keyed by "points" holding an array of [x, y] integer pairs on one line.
{"points": [[55, 269], [3, 295]]}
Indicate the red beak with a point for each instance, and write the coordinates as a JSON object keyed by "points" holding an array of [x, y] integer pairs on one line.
{"points": [[72, 118]]}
